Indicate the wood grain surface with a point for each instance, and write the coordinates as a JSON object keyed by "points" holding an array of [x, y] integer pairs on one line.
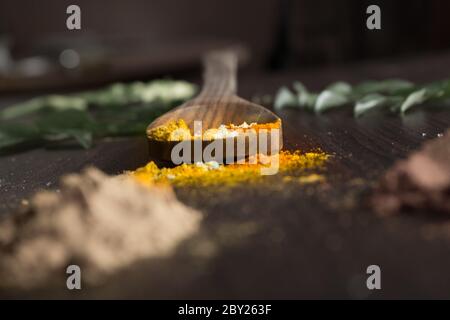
{"points": [[302, 242]]}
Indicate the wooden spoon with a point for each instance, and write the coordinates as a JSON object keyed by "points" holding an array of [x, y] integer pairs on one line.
{"points": [[216, 104]]}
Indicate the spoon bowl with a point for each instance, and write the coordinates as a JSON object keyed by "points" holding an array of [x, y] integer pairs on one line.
{"points": [[217, 104]]}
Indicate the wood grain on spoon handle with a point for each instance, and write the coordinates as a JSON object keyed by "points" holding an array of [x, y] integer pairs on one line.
{"points": [[219, 87], [220, 74]]}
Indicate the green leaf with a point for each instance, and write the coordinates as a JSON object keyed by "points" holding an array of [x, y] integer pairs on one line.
{"points": [[342, 88], [51, 102], [18, 110], [328, 100], [395, 94], [62, 121], [439, 90], [415, 98], [84, 138], [117, 110], [369, 102], [305, 99], [308, 100], [300, 87], [374, 101], [390, 86], [120, 94], [62, 125], [166, 91], [14, 134], [284, 98]]}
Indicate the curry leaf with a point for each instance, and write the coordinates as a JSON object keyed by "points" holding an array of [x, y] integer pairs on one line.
{"points": [[395, 95], [328, 100], [305, 98], [52, 102], [342, 88], [117, 110], [284, 98], [369, 102], [389, 86], [84, 138], [415, 98], [11, 135], [374, 101]]}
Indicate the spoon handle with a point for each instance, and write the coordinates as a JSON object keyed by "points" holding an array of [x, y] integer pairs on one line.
{"points": [[220, 74]]}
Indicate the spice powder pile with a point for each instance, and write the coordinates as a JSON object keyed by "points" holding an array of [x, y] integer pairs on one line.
{"points": [[293, 166], [179, 130], [101, 223]]}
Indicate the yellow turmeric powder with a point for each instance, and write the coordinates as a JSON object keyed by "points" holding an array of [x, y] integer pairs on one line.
{"points": [[178, 130], [172, 131], [291, 164]]}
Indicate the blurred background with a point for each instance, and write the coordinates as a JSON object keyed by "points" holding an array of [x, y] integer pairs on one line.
{"points": [[138, 39]]}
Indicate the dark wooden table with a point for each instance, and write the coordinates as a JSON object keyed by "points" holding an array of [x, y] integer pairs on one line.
{"points": [[302, 242]]}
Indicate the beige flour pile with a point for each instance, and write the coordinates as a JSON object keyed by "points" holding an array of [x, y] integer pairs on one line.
{"points": [[98, 222]]}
